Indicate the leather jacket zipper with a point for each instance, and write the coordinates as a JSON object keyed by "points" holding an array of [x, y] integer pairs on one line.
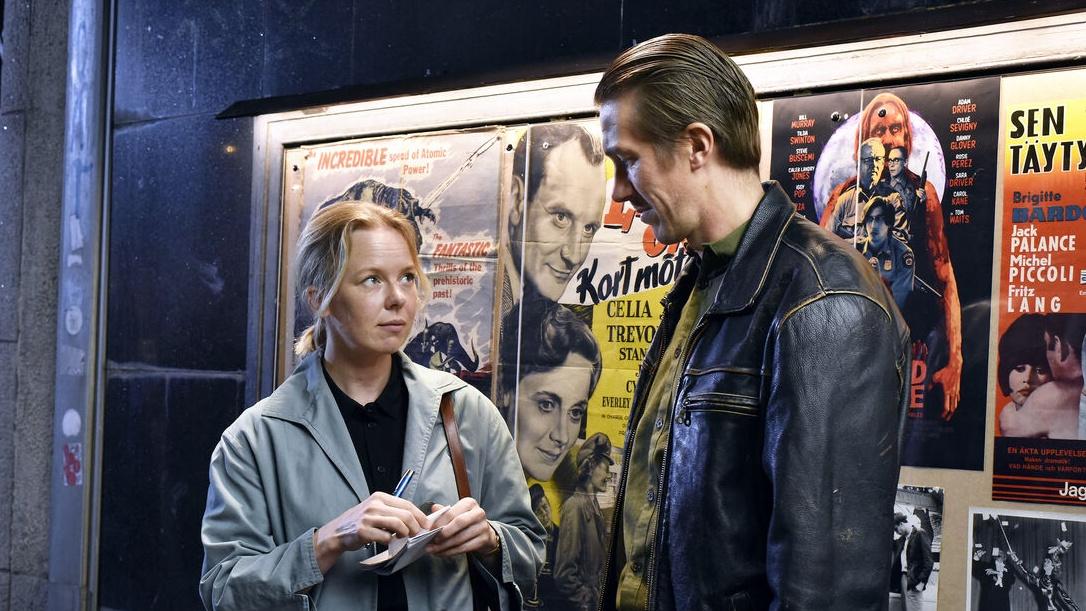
{"points": [[639, 397], [683, 414], [661, 486]]}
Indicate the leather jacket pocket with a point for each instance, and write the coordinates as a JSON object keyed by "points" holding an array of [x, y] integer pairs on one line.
{"points": [[720, 390]]}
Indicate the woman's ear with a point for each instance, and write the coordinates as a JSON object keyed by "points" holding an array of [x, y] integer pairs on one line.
{"points": [[311, 299]]}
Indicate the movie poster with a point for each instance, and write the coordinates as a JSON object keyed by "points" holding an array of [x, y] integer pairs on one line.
{"points": [[582, 280], [1025, 560], [907, 176], [918, 534], [447, 186], [1040, 445]]}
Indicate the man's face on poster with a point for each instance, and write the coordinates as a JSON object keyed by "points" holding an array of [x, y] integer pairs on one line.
{"points": [[872, 159], [889, 125], [543, 513], [877, 228], [1061, 362], [895, 162], [562, 219]]}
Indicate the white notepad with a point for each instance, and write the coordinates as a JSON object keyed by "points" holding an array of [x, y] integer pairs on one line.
{"points": [[402, 551]]}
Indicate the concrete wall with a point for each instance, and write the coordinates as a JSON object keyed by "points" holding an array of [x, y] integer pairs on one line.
{"points": [[31, 161]]}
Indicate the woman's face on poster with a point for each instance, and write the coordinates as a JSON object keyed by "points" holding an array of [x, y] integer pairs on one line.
{"points": [[601, 474], [550, 408], [1024, 379]]}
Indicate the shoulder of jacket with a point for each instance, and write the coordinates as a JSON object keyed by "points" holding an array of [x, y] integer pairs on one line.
{"points": [[253, 419]]}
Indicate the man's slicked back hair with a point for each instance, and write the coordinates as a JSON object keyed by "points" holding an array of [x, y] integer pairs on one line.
{"points": [[681, 79]]}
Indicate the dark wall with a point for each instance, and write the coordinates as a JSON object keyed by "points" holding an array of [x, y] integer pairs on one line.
{"points": [[181, 194]]}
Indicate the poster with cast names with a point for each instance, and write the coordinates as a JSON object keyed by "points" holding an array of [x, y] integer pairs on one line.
{"points": [[1040, 443], [923, 158]]}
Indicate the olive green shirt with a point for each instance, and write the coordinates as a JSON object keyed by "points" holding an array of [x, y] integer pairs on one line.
{"points": [[651, 439]]}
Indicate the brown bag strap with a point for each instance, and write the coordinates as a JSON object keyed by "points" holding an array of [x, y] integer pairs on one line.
{"points": [[452, 437]]}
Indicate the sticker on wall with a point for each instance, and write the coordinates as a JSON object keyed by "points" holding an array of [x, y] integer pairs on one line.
{"points": [[1040, 411], [907, 176], [73, 464]]}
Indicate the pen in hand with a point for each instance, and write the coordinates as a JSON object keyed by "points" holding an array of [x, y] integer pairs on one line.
{"points": [[401, 486], [398, 491]]}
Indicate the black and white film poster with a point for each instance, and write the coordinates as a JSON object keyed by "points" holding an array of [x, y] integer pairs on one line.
{"points": [[907, 175], [1026, 561], [918, 536], [446, 184]]}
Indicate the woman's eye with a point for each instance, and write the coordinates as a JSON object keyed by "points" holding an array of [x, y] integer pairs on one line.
{"points": [[371, 281], [409, 278], [546, 405]]}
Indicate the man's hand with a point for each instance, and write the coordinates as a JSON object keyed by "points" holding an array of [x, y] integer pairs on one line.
{"points": [[950, 377], [465, 529], [377, 519]]}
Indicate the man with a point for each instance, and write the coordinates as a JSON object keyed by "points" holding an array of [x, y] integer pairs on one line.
{"points": [[890, 257], [897, 160], [912, 562], [842, 215], [546, 595], [768, 488], [555, 208], [1052, 410], [887, 118], [996, 580]]}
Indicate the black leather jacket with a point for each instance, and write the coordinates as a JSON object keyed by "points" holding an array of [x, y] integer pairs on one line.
{"points": [[783, 462]]}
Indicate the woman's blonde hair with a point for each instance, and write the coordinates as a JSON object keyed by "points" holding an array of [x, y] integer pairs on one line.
{"points": [[323, 252]]}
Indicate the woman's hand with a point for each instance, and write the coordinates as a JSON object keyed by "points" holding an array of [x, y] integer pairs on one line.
{"points": [[377, 519], [465, 530]]}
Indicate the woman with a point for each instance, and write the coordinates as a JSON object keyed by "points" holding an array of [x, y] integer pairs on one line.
{"points": [[301, 483], [557, 370], [1023, 365]]}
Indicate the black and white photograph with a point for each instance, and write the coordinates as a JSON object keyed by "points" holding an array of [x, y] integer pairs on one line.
{"points": [[918, 535], [1025, 561]]}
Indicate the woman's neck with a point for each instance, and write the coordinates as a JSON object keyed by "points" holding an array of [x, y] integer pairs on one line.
{"points": [[361, 379]]}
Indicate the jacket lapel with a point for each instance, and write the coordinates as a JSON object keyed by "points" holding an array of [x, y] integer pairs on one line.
{"points": [[424, 390], [319, 414]]}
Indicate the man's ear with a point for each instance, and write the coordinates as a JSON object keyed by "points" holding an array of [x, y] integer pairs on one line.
{"points": [[702, 144], [1062, 348], [516, 201]]}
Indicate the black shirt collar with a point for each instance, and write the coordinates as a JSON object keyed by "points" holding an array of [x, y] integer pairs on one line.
{"points": [[389, 404]]}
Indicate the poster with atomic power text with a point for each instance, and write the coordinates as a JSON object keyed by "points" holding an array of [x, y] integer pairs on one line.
{"points": [[446, 185]]}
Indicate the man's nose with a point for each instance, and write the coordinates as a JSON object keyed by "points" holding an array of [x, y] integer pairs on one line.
{"points": [[621, 189]]}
